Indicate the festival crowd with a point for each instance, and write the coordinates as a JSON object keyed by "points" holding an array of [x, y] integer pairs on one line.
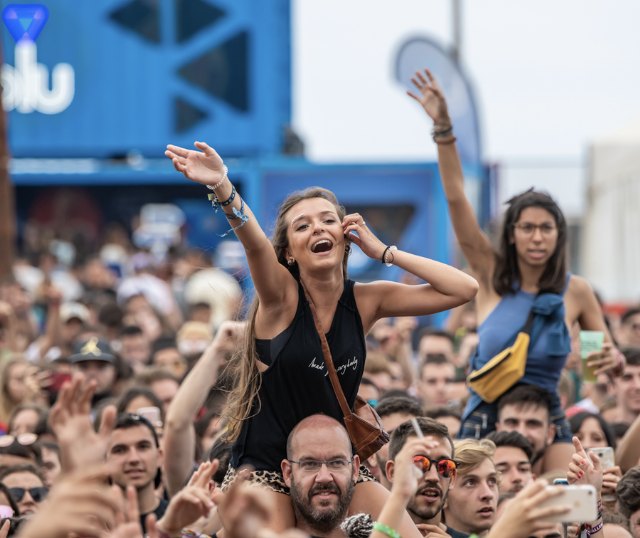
{"points": [[146, 395]]}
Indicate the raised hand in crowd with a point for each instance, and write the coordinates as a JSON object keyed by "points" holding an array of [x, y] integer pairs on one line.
{"points": [[191, 503], [81, 503], [406, 478], [179, 433], [524, 514], [128, 520], [585, 468], [244, 511], [70, 420]]}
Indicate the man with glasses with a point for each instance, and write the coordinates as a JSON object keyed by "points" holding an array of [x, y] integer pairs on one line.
{"points": [[438, 468], [26, 487], [321, 473]]}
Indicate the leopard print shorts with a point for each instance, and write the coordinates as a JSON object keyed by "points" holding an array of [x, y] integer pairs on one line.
{"points": [[275, 482]]}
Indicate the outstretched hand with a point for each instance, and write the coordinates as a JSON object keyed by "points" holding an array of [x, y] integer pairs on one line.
{"points": [[205, 166], [430, 97], [70, 420]]}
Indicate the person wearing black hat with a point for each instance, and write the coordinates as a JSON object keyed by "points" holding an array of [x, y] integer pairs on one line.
{"points": [[95, 359]]}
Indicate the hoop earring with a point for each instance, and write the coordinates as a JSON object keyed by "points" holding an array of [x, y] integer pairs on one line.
{"points": [[347, 249]]}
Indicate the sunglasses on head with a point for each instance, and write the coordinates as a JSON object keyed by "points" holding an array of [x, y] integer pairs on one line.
{"points": [[446, 467], [37, 494]]}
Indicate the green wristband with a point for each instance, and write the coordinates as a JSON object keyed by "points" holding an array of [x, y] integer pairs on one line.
{"points": [[385, 529]]}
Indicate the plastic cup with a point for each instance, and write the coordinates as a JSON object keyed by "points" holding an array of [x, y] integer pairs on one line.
{"points": [[590, 341]]}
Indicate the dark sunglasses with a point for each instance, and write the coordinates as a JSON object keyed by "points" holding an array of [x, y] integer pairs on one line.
{"points": [[37, 494], [446, 467]]}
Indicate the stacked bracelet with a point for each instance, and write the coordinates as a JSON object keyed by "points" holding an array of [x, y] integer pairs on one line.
{"points": [[385, 529], [443, 134], [216, 203]]}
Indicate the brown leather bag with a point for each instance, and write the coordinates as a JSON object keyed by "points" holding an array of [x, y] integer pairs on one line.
{"points": [[363, 424]]}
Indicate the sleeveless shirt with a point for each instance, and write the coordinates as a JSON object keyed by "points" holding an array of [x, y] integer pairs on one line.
{"points": [[296, 384], [550, 339]]}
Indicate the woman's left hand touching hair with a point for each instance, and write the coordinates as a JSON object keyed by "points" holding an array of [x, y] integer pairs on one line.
{"points": [[356, 230]]}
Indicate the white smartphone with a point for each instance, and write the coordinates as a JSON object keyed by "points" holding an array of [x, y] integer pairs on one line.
{"points": [[605, 455], [583, 502]]}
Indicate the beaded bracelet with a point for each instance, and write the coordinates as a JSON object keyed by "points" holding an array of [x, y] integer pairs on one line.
{"points": [[385, 529], [224, 176]]}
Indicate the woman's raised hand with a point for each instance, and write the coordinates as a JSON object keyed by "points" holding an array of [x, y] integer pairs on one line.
{"points": [[356, 230], [430, 97], [204, 166]]}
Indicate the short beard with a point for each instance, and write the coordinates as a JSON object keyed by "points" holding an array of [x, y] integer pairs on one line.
{"points": [[421, 514], [323, 521]]}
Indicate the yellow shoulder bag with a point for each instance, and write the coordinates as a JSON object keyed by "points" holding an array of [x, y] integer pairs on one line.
{"points": [[503, 370]]}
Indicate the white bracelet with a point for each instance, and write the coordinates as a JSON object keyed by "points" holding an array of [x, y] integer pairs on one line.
{"points": [[224, 176]]}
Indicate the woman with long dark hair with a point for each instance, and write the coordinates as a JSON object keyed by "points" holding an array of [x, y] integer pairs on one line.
{"points": [[281, 373], [527, 273]]}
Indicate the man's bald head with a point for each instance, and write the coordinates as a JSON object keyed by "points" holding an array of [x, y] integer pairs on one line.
{"points": [[316, 423]]}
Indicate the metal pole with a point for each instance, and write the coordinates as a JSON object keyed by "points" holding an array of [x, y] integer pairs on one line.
{"points": [[456, 22]]}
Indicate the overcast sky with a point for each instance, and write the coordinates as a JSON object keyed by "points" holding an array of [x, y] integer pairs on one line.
{"points": [[551, 76]]}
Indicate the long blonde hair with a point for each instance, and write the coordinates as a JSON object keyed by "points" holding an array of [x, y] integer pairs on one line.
{"points": [[240, 404], [7, 405]]}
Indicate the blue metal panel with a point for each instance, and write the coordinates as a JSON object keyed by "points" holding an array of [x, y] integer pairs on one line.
{"points": [[146, 74]]}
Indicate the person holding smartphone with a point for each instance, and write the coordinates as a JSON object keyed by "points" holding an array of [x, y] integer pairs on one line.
{"points": [[528, 272]]}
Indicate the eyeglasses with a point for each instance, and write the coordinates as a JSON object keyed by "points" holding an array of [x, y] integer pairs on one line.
{"points": [[446, 467], [24, 439], [313, 466], [37, 494], [527, 228]]}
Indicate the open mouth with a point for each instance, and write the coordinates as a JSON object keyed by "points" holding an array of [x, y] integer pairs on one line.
{"points": [[324, 245], [486, 511], [431, 494]]}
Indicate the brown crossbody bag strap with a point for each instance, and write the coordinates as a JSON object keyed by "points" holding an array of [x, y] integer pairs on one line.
{"points": [[363, 426]]}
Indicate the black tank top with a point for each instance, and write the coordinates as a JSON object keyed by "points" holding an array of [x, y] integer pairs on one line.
{"points": [[296, 384]]}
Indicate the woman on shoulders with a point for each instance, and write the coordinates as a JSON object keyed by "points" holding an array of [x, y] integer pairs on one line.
{"points": [[282, 377]]}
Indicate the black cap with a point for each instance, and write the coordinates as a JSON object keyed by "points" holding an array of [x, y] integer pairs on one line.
{"points": [[94, 349]]}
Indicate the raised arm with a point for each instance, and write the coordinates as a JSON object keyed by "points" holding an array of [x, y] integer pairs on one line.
{"points": [[447, 286], [179, 434], [272, 281], [474, 243]]}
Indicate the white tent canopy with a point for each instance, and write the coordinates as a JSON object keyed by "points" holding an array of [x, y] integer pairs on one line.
{"points": [[611, 240]]}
